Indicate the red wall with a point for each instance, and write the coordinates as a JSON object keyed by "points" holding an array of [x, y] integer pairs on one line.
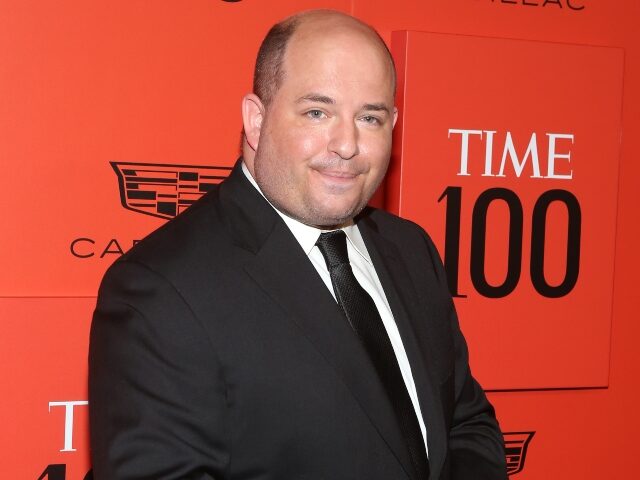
{"points": [[159, 83]]}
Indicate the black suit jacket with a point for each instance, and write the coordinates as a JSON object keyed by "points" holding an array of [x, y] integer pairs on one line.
{"points": [[217, 352]]}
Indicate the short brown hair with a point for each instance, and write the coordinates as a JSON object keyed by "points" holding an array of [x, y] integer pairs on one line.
{"points": [[269, 71]]}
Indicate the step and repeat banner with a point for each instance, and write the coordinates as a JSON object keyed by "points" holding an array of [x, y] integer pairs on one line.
{"points": [[512, 187], [509, 150]]}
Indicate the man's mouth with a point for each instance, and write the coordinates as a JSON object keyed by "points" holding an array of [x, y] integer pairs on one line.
{"points": [[337, 179], [338, 174]]}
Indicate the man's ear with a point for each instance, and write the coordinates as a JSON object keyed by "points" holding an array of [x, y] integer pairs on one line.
{"points": [[395, 116], [252, 117]]}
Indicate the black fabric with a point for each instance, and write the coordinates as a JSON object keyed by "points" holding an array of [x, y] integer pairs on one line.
{"points": [[217, 352], [364, 318]]}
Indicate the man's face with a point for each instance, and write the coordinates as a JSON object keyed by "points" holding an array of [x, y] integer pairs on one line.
{"points": [[325, 139]]}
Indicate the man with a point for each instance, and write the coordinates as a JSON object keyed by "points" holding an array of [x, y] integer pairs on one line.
{"points": [[238, 342]]}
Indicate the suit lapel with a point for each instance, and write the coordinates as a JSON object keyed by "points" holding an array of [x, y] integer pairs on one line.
{"points": [[283, 271], [407, 308]]}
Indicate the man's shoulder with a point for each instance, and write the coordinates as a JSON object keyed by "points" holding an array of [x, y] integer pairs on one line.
{"points": [[390, 225], [411, 241], [183, 239]]}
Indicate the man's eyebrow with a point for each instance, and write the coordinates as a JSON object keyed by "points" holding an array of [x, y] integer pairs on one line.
{"points": [[376, 107], [319, 98], [316, 98]]}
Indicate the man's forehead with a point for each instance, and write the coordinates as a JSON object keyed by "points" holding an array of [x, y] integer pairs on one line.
{"points": [[323, 82]]}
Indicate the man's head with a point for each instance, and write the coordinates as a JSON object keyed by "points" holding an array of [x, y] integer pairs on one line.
{"points": [[318, 125]]}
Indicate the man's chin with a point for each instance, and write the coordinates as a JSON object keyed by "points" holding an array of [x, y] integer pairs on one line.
{"points": [[331, 219]]}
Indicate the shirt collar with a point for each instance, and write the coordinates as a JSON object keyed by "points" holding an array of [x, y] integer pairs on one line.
{"points": [[306, 235]]}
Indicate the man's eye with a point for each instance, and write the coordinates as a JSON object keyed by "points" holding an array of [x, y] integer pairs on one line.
{"points": [[371, 119], [315, 114]]}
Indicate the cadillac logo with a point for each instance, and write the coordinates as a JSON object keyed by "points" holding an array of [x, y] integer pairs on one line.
{"points": [[164, 190], [515, 445]]}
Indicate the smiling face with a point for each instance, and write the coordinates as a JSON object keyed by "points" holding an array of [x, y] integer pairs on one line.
{"points": [[321, 147]]}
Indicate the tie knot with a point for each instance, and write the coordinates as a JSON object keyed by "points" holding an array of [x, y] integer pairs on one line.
{"points": [[333, 246]]}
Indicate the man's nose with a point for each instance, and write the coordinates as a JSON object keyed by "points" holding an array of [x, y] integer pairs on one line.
{"points": [[344, 139]]}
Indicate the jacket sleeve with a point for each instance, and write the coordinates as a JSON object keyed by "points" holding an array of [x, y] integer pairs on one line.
{"points": [[476, 444], [156, 394]]}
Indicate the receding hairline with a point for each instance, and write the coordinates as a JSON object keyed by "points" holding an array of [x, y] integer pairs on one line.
{"points": [[270, 61], [321, 21]]}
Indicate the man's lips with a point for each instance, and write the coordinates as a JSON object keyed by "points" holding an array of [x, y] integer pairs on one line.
{"points": [[337, 178], [338, 174]]}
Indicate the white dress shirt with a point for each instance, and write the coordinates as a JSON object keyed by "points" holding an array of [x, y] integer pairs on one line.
{"points": [[366, 275]]}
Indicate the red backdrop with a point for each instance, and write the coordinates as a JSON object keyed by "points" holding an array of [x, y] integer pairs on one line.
{"points": [[516, 134]]}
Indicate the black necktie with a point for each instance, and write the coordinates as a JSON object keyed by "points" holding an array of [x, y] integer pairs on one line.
{"points": [[362, 314]]}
